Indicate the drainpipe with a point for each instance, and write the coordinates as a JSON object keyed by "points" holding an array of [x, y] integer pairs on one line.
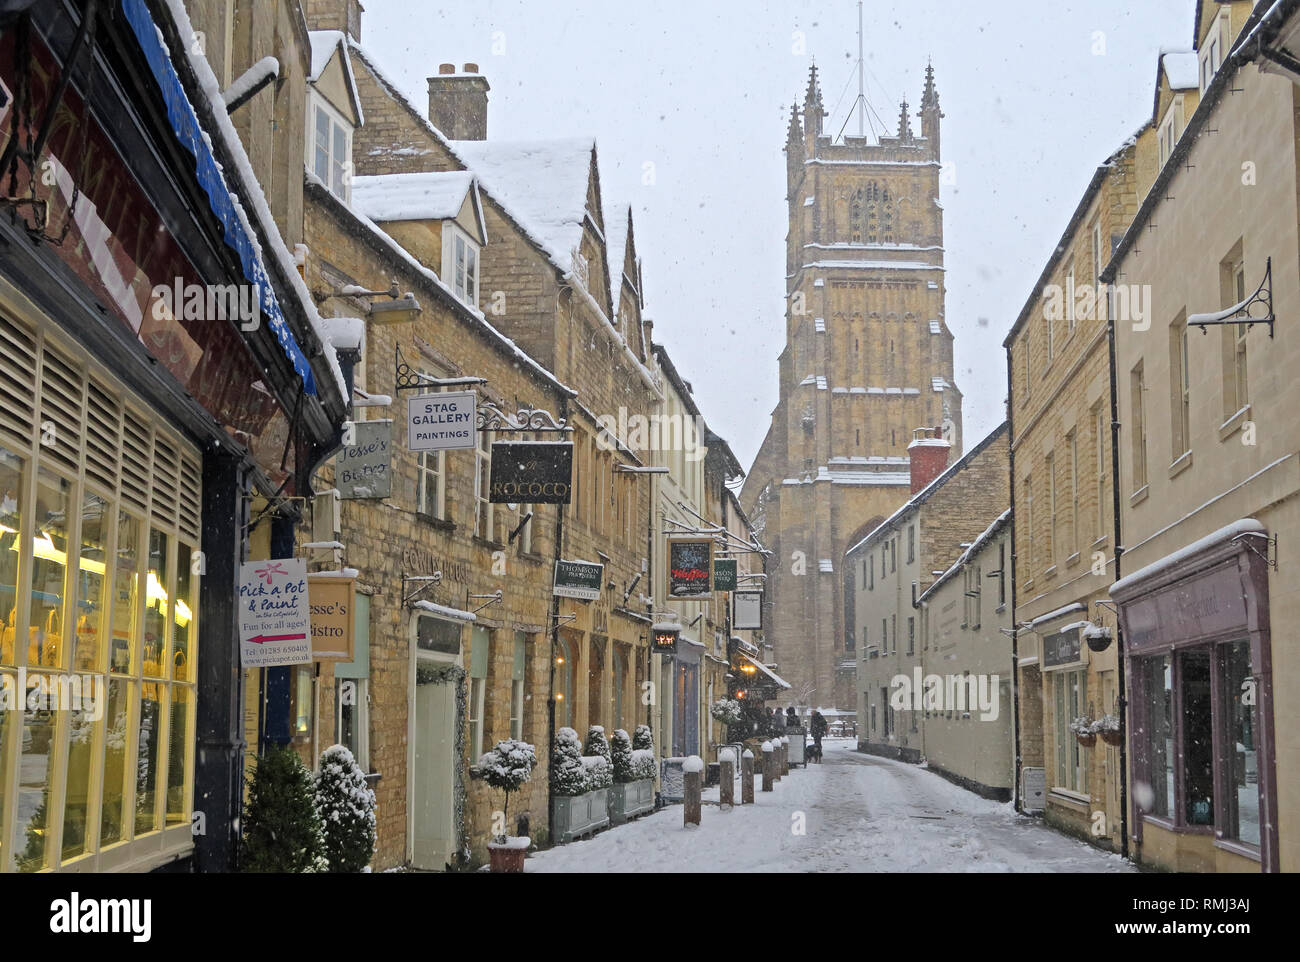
{"points": [[554, 630], [1122, 701], [1015, 631]]}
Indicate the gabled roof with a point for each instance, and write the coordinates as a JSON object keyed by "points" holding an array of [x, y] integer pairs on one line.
{"points": [[618, 238], [976, 547], [324, 45], [929, 490], [1182, 69], [542, 182], [436, 195]]}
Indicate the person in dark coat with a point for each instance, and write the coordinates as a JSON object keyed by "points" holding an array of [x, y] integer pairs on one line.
{"points": [[819, 728], [791, 718]]}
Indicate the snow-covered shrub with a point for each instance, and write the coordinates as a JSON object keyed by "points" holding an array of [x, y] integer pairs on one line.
{"points": [[726, 710], [347, 811], [597, 744], [508, 767], [599, 773], [282, 828], [643, 740], [620, 748], [568, 774], [643, 763]]}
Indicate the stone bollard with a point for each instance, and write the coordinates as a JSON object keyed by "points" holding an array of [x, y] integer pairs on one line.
{"points": [[726, 779], [785, 754], [769, 766], [747, 778], [693, 772], [776, 758]]}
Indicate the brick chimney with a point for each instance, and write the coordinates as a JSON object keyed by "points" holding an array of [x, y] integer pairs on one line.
{"points": [[929, 454], [342, 15], [458, 102]]}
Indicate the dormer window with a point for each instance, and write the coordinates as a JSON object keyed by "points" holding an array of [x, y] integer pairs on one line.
{"points": [[329, 148], [460, 264], [1171, 128], [1212, 49]]}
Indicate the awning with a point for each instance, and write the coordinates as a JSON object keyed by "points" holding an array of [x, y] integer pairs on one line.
{"points": [[185, 124], [763, 669]]}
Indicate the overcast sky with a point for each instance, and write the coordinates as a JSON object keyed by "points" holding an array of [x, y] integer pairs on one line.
{"points": [[1036, 95]]}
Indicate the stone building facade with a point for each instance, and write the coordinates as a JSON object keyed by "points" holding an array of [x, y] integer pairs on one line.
{"points": [[868, 359], [894, 566]]}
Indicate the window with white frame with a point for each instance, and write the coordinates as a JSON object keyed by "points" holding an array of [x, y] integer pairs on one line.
{"points": [[517, 677], [1171, 128], [329, 147], [484, 510], [1070, 690], [479, 659], [460, 257], [1212, 50]]}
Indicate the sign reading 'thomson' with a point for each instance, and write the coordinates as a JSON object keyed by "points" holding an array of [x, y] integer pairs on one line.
{"points": [[531, 472]]}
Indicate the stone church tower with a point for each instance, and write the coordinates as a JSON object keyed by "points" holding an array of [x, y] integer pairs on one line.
{"points": [[868, 360]]}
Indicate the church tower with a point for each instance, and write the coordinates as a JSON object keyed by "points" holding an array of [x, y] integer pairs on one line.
{"points": [[868, 360]]}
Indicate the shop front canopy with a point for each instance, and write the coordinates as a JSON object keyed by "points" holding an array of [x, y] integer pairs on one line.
{"points": [[768, 676]]}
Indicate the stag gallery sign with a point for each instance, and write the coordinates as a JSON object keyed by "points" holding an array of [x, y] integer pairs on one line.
{"points": [[442, 422], [531, 472], [690, 568]]}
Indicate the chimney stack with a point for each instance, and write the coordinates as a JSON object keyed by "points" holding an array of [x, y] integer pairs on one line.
{"points": [[458, 102], [344, 15], [929, 454]]}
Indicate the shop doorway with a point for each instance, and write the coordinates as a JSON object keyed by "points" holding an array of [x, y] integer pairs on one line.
{"points": [[434, 725]]}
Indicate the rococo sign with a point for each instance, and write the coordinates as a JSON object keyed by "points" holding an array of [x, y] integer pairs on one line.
{"points": [[531, 472]]}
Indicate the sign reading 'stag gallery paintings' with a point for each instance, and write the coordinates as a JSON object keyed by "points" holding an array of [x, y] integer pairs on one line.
{"points": [[531, 472], [690, 568], [442, 422]]}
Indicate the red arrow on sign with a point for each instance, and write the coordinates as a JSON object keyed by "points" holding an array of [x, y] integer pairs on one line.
{"points": [[263, 639]]}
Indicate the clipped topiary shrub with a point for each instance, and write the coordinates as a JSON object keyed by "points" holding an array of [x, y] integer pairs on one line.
{"points": [[508, 767], [621, 753], [347, 811], [282, 829], [568, 774]]}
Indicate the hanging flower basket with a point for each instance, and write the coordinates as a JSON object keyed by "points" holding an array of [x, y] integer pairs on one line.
{"points": [[1085, 730], [1098, 638], [1114, 739], [1086, 740], [1108, 727]]}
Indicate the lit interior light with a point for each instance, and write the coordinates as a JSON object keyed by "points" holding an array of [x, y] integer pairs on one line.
{"points": [[44, 549]]}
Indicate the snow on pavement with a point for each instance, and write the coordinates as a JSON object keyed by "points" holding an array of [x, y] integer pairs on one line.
{"points": [[860, 814]]}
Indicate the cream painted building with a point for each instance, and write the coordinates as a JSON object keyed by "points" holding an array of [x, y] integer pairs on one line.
{"points": [[1209, 465]]}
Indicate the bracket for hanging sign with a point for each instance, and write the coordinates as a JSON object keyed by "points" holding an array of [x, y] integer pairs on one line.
{"points": [[492, 418], [1269, 555], [408, 379], [424, 581], [1248, 312], [493, 599]]}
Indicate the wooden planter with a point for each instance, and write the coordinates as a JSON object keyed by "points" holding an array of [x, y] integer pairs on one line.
{"points": [[508, 858], [627, 800], [578, 815], [1087, 741], [1113, 738]]}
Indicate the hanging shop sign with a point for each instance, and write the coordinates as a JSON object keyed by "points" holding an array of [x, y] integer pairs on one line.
{"points": [[365, 468], [724, 574], [578, 579], [274, 615], [747, 610], [332, 620], [690, 568], [442, 422], [1063, 648], [531, 472], [664, 638]]}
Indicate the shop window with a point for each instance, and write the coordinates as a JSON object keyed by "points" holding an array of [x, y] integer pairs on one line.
{"points": [[479, 658], [563, 683], [518, 675], [352, 689], [1071, 702], [1237, 733]]}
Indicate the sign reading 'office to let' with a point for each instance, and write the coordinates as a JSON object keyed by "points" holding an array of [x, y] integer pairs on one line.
{"points": [[442, 422]]}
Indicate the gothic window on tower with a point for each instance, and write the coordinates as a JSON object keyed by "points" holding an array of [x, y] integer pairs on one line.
{"points": [[855, 218]]}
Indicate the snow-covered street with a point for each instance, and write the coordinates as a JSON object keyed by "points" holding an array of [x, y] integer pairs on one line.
{"points": [[859, 813]]}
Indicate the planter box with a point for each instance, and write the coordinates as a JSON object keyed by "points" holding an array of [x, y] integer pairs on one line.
{"points": [[580, 815], [630, 799]]}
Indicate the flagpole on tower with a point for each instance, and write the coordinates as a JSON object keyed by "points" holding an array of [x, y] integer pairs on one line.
{"points": [[862, 87]]}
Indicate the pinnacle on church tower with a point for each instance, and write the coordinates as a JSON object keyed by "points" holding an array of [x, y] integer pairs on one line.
{"points": [[814, 112], [905, 125], [795, 132], [931, 96]]}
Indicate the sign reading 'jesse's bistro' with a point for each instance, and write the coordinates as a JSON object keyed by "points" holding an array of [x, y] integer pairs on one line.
{"points": [[531, 472]]}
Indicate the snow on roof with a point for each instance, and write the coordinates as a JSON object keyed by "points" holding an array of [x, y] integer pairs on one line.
{"points": [[1246, 526], [455, 614], [324, 43], [436, 195], [250, 202], [976, 546], [616, 238], [543, 183], [781, 682], [1182, 68]]}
